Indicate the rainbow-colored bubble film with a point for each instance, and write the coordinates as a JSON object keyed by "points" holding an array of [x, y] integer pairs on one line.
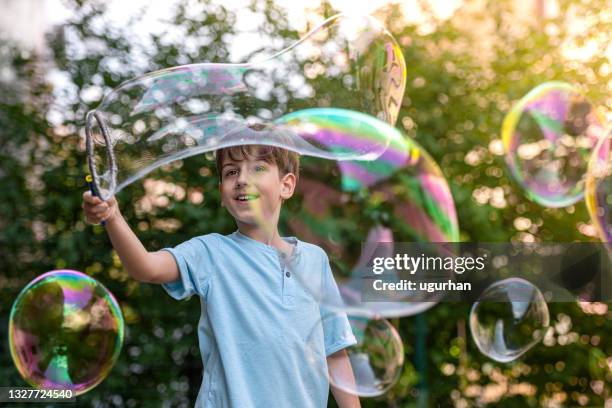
{"points": [[343, 130], [343, 133], [376, 359], [400, 196], [65, 331], [598, 192], [183, 111], [508, 319], [548, 137]]}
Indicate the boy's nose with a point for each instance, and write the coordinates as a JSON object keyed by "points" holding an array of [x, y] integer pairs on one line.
{"points": [[243, 178]]}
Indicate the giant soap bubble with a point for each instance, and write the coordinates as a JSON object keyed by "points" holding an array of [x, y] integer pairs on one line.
{"points": [[65, 331], [346, 62], [376, 359], [402, 196], [548, 137], [598, 193], [508, 318]]}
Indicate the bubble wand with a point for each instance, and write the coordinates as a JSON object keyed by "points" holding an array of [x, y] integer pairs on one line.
{"points": [[92, 178]]}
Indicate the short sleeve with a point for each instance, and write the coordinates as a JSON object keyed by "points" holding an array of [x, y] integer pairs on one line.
{"points": [[336, 327], [194, 259]]}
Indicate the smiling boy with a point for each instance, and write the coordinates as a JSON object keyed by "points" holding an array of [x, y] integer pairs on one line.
{"points": [[255, 318]]}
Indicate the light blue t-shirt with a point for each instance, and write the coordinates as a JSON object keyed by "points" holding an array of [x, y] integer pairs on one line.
{"points": [[256, 319]]}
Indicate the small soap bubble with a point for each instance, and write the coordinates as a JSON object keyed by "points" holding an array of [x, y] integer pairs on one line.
{"points": [[508, 319], [548, 137], [375, 360], [65, 331]]}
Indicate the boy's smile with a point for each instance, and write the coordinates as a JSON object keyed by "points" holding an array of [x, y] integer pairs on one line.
{"points": [[246, 201], [246, 197]]}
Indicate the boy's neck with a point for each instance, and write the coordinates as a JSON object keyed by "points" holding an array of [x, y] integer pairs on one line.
{"points": [[269, 237]]}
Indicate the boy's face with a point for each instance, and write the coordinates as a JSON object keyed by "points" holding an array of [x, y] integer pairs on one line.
{"points": [[252, 190]]}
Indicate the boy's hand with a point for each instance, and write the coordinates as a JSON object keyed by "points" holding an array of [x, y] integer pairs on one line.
{"points": [[97, 210]]}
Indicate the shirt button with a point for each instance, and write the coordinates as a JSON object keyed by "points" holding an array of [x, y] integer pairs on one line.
{"points": [[288, 274]]}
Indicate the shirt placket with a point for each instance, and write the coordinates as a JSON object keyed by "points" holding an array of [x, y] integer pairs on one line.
{"points": [[288, 284]]}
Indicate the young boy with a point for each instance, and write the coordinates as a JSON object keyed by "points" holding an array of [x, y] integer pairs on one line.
{"points": [[256, 317]]}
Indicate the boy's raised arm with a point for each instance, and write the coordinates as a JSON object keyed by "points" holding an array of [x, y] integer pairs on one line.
{"points": [[142, 265]]}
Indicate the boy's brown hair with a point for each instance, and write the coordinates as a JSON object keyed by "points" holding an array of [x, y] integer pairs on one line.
{"points": [[286, 160]]}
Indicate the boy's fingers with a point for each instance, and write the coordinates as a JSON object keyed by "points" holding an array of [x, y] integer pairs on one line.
{"points": [[97, 217], [97, 212], [91, 219], [88, 197], [95, 206]]}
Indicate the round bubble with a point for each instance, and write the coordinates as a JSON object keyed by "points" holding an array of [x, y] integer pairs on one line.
{"points": [[375, 360], [402, 196], [347, 62], [548, 137], [508, 319], [65, 331], [598, 191]]}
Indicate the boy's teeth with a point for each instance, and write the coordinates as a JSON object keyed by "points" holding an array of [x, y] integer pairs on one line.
{"points": [[246, 198]]}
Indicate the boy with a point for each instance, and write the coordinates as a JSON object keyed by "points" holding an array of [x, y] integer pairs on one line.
{"points": [[255, 315]]}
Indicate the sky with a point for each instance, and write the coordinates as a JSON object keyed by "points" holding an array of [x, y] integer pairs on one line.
{"points": [[27, 20]]}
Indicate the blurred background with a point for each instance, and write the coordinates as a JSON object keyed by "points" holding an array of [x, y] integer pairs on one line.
{"points": [[468, 61]]}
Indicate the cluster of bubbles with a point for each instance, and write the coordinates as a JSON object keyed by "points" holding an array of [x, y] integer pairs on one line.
{"points": [[558, 151], [65, 331]]}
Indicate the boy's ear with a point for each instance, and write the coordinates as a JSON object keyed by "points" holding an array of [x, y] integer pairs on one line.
{"points": [[288, 185]]}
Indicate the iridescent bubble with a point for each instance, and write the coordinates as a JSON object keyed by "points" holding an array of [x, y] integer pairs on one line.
{"points": [[347, 62], [65, 331], [598, 192], [376, 359], [508, 319], [402, 196], [548, 137]]}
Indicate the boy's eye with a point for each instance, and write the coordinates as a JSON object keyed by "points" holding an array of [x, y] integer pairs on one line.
{"points": [[260, 168], [230, 173]]}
